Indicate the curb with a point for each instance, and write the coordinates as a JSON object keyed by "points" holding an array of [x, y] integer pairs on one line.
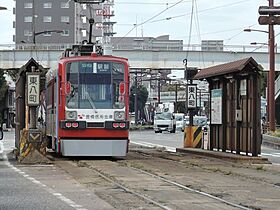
{"points": [[271, 141], [224, 155]]}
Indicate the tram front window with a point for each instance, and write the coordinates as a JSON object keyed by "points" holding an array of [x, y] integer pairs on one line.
{"points": [[94, 85]]}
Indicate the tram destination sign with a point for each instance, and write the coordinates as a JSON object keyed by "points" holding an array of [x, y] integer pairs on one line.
{"points": [[33, 89]]}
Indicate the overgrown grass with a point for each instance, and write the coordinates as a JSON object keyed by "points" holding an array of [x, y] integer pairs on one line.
{"points": [[141, 127], [275, 133]]}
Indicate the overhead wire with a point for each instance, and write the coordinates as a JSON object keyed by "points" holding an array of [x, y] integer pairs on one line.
{"points": [[137, 25], [148, 3], [264, 44], [190, 31], [201, 11], [198, 30]]}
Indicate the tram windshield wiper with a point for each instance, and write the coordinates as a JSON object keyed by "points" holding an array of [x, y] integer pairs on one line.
{"points": [[90, 101]]}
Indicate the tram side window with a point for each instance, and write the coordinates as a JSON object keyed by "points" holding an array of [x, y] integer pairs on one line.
{"points": [[49, 95], [117, 77]]}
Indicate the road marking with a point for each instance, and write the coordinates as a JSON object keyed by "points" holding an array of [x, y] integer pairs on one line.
{"points": [[272, 154], [59, 196], [276, 164], [1, 147], [147, 144]]}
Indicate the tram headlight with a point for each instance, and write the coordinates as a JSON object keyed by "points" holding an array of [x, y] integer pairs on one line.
{"points": [[71, 115], [119, 115]]}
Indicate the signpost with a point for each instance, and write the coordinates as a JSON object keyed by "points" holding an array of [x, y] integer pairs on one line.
{"points": [[33, 89], [192, 95]]}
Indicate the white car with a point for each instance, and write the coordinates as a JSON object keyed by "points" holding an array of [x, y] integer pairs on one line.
{"points": [[179, 117]]}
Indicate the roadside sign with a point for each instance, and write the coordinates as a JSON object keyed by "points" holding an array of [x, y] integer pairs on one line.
{"points": [[269, 10], [216, 106], [33, 89], [269, 20], [192, 97]]}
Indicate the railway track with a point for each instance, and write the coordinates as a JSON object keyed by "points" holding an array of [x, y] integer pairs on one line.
{"points": [[169, 182], [153, 179]]}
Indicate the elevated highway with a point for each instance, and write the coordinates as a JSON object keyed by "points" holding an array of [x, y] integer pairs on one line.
{"points": [[47, 55]]}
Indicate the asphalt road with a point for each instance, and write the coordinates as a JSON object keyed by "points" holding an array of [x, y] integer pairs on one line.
{"points": [[172, 141], [40, 186]]}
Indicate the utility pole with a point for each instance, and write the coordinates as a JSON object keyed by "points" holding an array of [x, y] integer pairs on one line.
{"points": [[270, 16], [176, 97], [158, 77], [271, 73], [33, 22], [136, 100]]}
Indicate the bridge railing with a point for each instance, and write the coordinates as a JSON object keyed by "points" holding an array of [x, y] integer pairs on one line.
{"points": [[145, 47]]}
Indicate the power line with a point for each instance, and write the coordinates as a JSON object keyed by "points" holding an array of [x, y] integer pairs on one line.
{"points": [[190, 30], [201, 11], [137, 25], [149, 3], [198, 30]]}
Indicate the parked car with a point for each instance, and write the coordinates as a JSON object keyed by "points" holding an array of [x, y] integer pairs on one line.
{"points": [[179, 117], [197, 121]]}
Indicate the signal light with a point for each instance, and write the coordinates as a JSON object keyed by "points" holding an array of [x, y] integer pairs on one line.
{"points": [[68, 125], [122, 88], [115, 125], [122, 125], [75, 125]]}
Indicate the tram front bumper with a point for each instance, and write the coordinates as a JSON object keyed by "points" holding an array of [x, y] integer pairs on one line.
{"points": [[94, 147]]}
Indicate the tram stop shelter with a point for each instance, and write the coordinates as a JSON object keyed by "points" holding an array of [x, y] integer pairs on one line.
{"points": [[235, 108]]}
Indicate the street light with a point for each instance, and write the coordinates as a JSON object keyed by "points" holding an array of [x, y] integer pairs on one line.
{"points": [[44, 32], [257, 30], [255, 43], [271, 74]]}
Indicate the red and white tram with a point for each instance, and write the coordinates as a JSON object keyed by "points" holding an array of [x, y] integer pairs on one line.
{"points": [[87, 100]]}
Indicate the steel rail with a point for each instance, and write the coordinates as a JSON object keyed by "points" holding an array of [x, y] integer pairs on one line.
{"points": [[144, 197], [192, 190]]}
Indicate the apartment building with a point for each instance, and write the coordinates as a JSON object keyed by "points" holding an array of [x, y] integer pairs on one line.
{"points": [[59, 21]]}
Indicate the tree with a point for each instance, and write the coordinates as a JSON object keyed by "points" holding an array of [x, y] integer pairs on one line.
{"points": [[142, 96]]}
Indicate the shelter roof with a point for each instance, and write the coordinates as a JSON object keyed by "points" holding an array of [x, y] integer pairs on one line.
{"points": [[231, 67]]}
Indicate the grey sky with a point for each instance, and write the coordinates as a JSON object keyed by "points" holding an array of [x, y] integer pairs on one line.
{"points": [[215, 19]]}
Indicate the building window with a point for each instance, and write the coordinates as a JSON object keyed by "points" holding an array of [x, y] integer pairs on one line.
{"points": [[47, 33], [84, 32], [47, 5], [65, 33], [28, 5], [84, 6], [27, 33], [64, 19], [28, 19], [84, 19], [64, 5], [47, 19]]}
